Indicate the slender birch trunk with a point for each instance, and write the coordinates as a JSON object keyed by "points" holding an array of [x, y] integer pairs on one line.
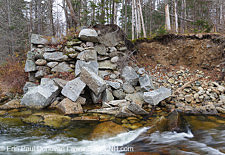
{"points": [[133, 21], [167, 13], [176, 17], [142, 20]]}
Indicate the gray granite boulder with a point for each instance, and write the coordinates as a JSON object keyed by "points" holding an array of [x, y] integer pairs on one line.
{"points": [[55, 56], [87, 55], [146, 82], [101, 49], [73, 89], [92, 65], [107, 64], [155, 96], [62, 67], [93, 81], [107, 96], [129, 75], [38, 39], [27, 86], [88, 35], [41, 96], [136, 109], [30, 66]]}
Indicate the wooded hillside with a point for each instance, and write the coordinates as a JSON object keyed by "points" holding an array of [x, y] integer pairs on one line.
{"points": [[138, 18]]}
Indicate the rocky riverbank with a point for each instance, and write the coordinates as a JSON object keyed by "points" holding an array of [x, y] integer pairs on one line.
{"points": [[91, 78]]}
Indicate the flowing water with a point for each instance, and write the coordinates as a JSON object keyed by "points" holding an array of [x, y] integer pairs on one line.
{"points": [[205, 135]]}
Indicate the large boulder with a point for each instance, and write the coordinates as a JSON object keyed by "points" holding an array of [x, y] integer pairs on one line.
{"points": [[88, 35], [41, 96], [155, 96], [55, 56], [68, 107], [94, 82], [27, 86], [38, 39], [92, 65], [129, 75], [73, 89]]}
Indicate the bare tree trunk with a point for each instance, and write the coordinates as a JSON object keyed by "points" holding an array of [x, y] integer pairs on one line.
{"points": [[72, 13], [112, 14], [115, 13], [51, 16], [125, 26], [133, 21], [176, 17], [168, 26], [221, 12], [136, 19], [31, 16], [139, 19], [142, 20]]}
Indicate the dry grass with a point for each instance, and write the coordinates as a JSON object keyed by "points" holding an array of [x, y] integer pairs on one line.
{"points": [[12, 76]]}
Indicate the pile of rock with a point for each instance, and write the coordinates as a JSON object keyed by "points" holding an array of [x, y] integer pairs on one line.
{"points": [[94, 64]]}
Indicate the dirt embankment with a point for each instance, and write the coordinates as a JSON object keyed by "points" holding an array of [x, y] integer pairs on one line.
{"points": [[202, 51]]}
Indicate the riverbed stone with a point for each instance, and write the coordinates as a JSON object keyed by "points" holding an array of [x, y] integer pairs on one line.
{"points": [[73, 89], [68, 107], [41, 96], [88, 35], [93, 81], [109, 111], [129, 75], [92, 65], [87, 55], [107, 129], [13, 104], [56, 121], [55, 56], [146, 82], [155, 96], [62, 67]]}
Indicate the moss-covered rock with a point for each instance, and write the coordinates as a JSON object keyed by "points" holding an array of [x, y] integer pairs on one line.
{"points": [[21, 113], [10, 122], [2, 112], [32, 119], [56, 121], [107, 129]]}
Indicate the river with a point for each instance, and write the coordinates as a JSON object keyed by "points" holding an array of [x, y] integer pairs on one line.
{"points": [[205, 135]]}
